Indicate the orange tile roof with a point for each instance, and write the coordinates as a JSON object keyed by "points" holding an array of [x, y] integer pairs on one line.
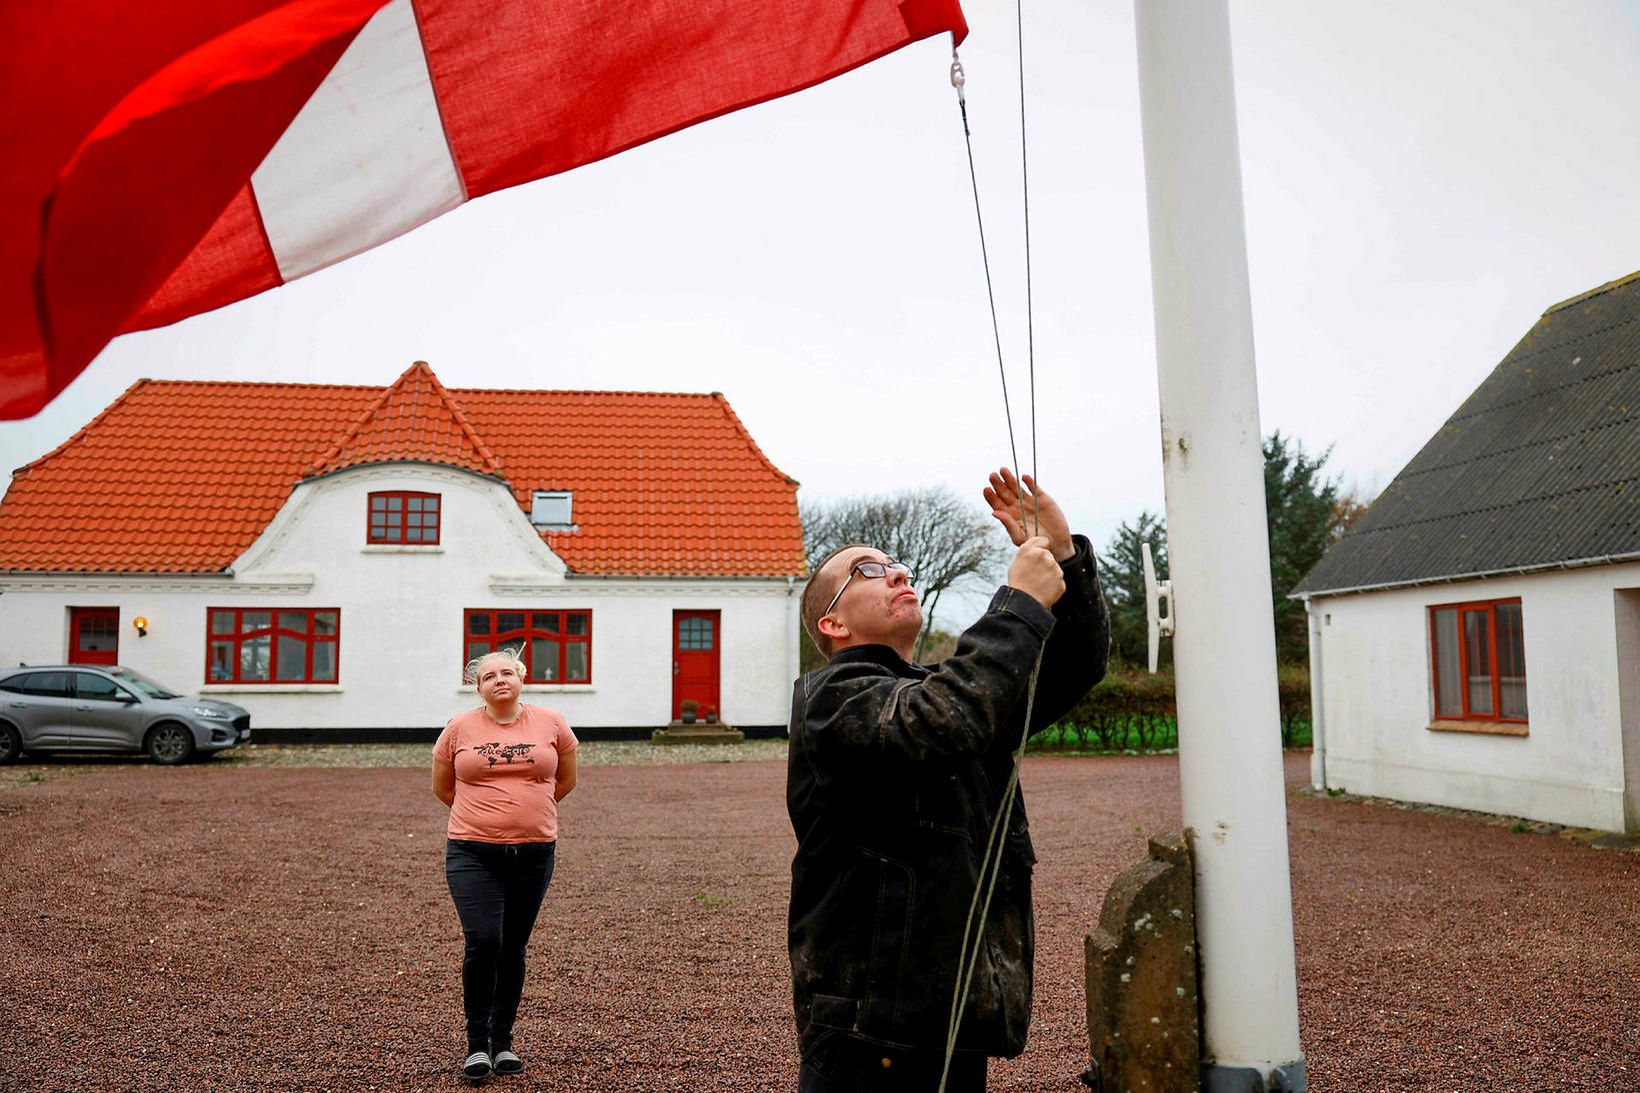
{"points": [[181, 476]]}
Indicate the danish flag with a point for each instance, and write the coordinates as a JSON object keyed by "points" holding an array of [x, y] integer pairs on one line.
{"points": [[161, 160]]}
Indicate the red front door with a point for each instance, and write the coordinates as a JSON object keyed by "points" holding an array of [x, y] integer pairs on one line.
{"points": [[93, 635], [695, 641]]}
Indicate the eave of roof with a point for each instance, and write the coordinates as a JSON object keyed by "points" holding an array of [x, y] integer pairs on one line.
{"points": [[1455, 578]]}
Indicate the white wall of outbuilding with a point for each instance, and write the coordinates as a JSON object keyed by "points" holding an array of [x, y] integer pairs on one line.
{"points": [[1576, 764], [402, 610]]}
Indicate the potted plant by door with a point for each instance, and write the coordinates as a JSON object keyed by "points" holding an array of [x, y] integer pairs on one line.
{"points": [[687, 710], [711, 715]]}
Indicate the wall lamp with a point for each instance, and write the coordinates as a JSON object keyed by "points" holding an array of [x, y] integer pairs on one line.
{"points": [[141, 623]]}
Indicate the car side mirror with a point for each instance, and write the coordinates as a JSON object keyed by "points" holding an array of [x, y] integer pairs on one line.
{"points": [[129, 699]]}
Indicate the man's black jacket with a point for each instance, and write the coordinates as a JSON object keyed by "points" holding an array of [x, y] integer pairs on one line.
{"points": [[895, 774]]}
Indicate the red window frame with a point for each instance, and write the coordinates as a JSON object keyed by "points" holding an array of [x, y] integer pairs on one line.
{"points": [[403, 518], [484, 630], [233, 632], [1487, 608]]}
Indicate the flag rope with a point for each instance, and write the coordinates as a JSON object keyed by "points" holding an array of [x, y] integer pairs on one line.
{"points": [[973, 932], [1025, 198]]}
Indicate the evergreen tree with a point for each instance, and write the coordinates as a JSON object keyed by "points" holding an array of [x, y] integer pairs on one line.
{"points": [[1305, 512], [1300, 505], [1121, 573]]}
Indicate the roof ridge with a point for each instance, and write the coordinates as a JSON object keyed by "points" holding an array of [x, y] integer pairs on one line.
{"points": [[87, 427], [579, 391], [262, 383], [174, 381], [1607, 287]]}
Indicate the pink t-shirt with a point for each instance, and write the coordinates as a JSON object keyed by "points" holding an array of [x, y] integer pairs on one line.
{"points": [[505, 774]]}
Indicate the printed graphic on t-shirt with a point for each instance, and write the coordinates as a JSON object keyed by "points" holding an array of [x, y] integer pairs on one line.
{"points": [[497, 752]]}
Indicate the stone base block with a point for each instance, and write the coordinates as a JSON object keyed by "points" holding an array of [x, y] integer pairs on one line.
{"points": [[1143, 1008], [697, 732]]}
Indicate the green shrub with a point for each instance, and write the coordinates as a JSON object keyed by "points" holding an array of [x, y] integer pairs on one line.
{"points": [[1134, 711]]}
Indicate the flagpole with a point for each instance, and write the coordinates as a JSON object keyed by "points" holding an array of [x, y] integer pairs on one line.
{"points": [[1230, 764]]}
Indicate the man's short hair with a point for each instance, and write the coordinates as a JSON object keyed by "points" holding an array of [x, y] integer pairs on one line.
{"points": [[817, 594]]}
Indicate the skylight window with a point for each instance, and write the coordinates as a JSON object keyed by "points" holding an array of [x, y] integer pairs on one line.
{"points": [[552, 509]]}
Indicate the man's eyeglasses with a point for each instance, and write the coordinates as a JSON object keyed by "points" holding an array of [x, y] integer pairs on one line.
{"points": [[872, 571]]}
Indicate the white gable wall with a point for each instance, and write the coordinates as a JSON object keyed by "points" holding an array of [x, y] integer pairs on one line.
{"points": [[401, 644], [1377, 702]]}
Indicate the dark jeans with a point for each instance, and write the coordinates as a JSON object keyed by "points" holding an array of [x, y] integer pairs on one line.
{"points": [[497, 889], [841, 1064]]}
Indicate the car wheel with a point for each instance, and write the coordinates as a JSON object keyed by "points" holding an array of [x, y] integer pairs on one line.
{"points": [[11, 745], [170, 744]]}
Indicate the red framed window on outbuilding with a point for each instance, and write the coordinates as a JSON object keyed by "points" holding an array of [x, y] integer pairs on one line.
{"points": [[404, 516], [1478, 661]]}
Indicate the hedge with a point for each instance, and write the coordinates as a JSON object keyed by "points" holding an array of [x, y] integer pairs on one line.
{"points": [[1134, 711]]}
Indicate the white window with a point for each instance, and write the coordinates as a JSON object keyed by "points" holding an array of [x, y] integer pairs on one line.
{"points": [[551, 509]]}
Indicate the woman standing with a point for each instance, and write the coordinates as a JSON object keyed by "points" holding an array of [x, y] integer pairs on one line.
{"points": [[502, 769]]}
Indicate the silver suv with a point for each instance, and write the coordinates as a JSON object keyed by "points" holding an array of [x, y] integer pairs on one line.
{"points": [[83, 707]]}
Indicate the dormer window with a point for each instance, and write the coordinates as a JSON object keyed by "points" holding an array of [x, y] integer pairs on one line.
{"points": [[403, 516], [551, 510]]}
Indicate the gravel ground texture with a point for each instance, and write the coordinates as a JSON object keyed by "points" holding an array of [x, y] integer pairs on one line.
{"points": [[591, 752], [264, 924]]}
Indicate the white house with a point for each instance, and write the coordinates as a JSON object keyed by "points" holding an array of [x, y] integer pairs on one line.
{"points": [[329, 557], [1475, 638]]}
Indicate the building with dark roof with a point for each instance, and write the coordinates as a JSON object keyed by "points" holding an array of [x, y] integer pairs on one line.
{"points": [[330, 556], [1475, 637]]}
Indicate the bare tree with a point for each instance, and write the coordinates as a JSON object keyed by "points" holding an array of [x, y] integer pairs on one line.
{"points": [[1348, 507], [946, 541]]}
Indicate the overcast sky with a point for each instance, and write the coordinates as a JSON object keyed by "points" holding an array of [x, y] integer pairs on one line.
{"points": [[1422, 181]]}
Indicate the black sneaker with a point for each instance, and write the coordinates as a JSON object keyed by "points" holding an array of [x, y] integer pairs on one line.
{"points": [[508, 1062], [477, 1067]]}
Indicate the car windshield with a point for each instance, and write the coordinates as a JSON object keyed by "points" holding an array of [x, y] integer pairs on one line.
{"points": [[142, 684]]}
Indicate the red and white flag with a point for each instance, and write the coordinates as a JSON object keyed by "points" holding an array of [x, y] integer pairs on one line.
{"points": [[164, 160]]}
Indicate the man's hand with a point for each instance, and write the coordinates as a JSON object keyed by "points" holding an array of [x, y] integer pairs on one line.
{"points": [[1041, 513], [1035, 572]]}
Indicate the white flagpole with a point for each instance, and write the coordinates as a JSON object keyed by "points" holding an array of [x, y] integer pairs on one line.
{"points": [[1218, 549]]}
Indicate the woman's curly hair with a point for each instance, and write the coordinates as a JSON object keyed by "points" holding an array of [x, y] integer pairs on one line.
{"points": [[514, 653]]}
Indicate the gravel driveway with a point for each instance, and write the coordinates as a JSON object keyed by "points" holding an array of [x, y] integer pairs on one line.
{"points": [[258, 924]]}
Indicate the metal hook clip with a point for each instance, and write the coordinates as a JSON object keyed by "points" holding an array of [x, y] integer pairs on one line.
{"points": [[958, 77], [1157, 625]]}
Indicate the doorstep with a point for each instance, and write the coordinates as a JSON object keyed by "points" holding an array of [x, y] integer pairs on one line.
{"points": [[698, 732]]}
